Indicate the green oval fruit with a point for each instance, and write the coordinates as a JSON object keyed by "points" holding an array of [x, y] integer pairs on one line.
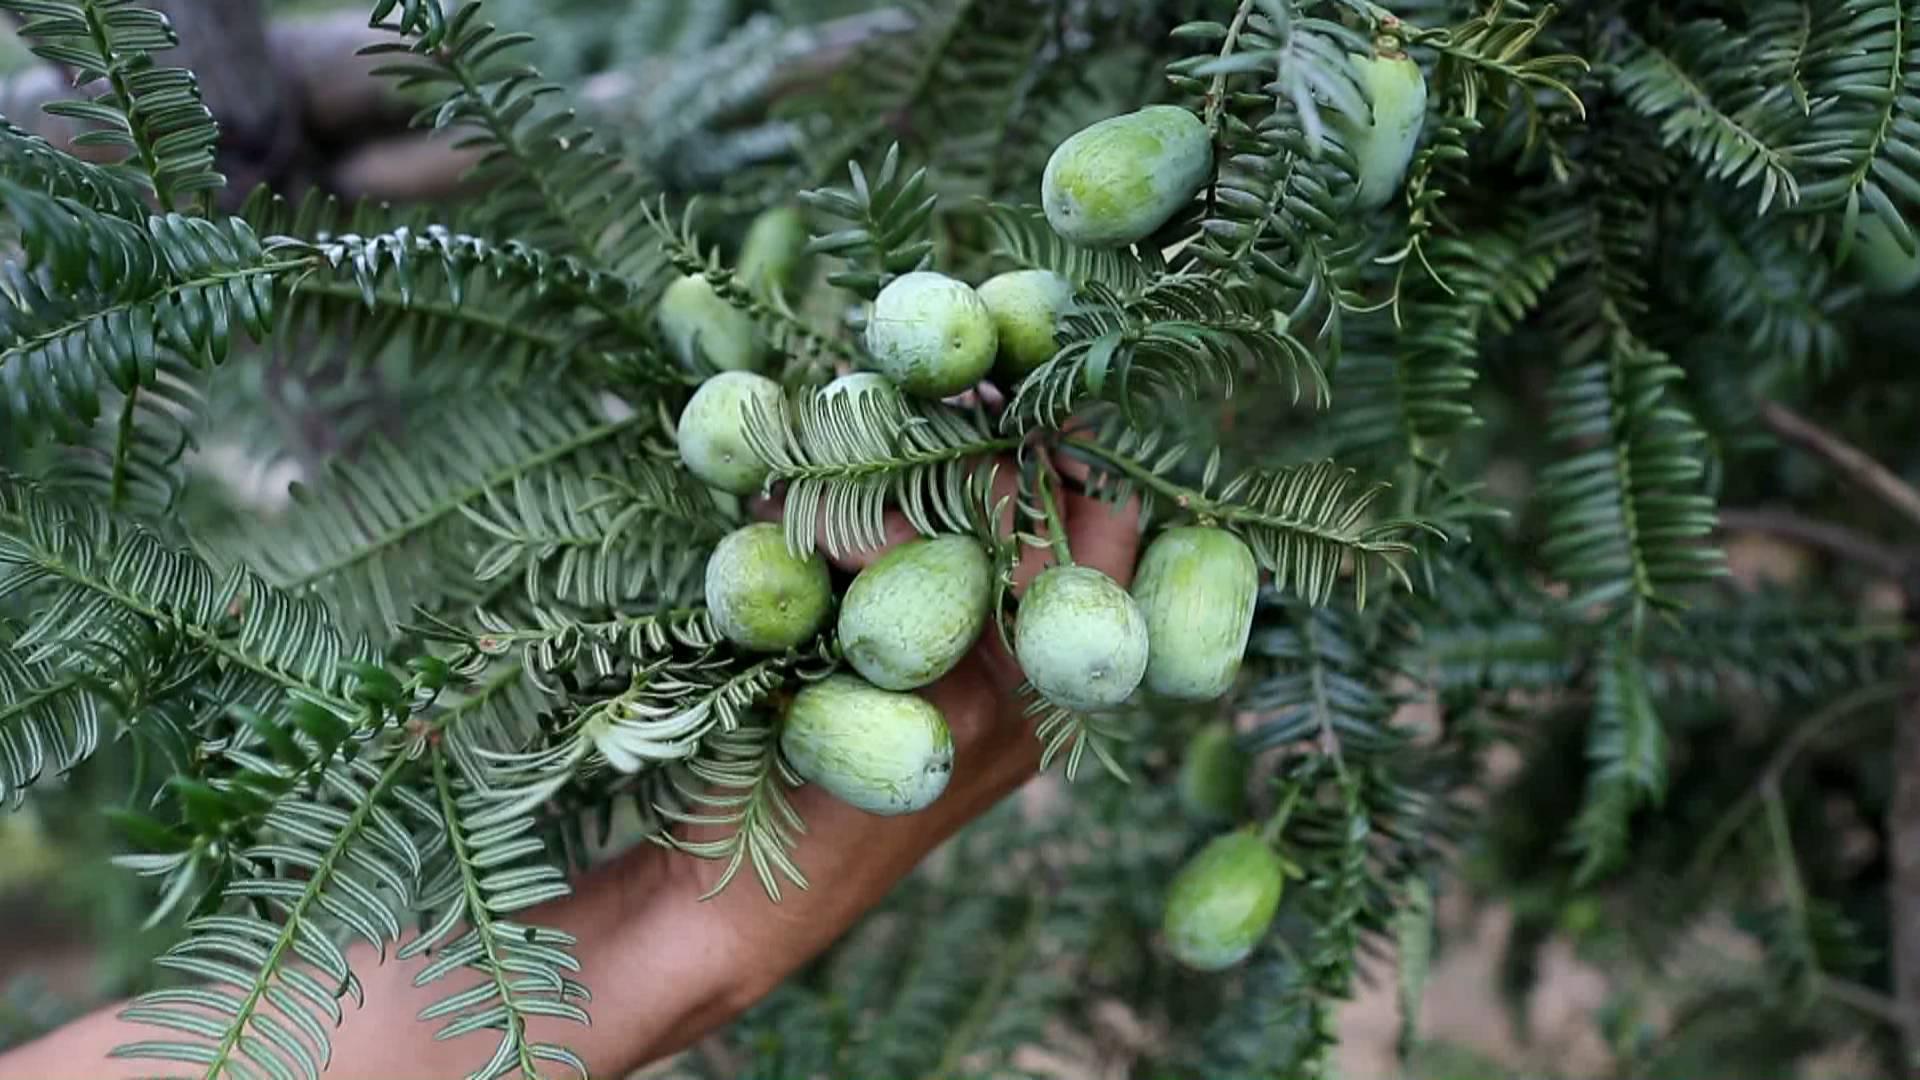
{"points": [[1026, 306], [712, 430], [1383, 146], [1117, 181], [761, 597], [1221, 903], [1196, 587], [930, 334], [704, 332], [1885, 267], [868, 391], [1081, 639], [883, 752], [774, 251], [910, 617], [1213, 774]]}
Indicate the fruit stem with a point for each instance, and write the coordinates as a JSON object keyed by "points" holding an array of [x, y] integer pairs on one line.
{"points": [[1047, 481], [1216, 92], [1277, 824]]}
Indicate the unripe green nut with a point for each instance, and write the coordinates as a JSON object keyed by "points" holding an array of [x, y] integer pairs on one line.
{"points": [[712, 430], [773, 252], [1383, 146], [1196, 587], [910, 617], [1117, 181], [1213, 775], [1222, 902], [866, 390], [704, 332], [1081, 639], [930, 334], [762, 598], [1885, 267], [1026, 306], [882, 752]]}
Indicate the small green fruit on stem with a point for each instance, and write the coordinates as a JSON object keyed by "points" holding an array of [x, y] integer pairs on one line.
{"points": [[1886, 268], [883, 752], [1383, 145], [910, 617], [1117, 181], [704, 332], [931, 335], [1026, 306], [1213, 775], [762, 598], [712, 436], [1222, 902], [773, 253], [1196, 587], [1081, 639]]}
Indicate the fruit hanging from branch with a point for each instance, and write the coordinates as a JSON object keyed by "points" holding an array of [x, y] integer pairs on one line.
{"points": [[1117, 181], [1196, 587], [1383, 142], [910, 617], [1222, 901], [711, 433], [704, 332], [931, 335], [761, 596], [884, 752]]}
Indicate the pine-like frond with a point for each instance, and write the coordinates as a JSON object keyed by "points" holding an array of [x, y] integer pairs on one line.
{"points": [[888, 218], [149, 114], [390, 530], [600, 540], [49, 718], [1862, 75], [99, 299], [1303, 523], [1697, 85], [1182, 337], [269, 975], [478, 883], [1627, 514], [551, 182], [1626, 757], [844, 457], [30, 161], [1026, 241]]}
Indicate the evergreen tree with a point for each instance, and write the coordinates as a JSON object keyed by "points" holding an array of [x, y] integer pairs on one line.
{"points": [[1632, 244]]}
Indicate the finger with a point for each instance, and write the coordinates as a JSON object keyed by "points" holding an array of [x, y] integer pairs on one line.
{"points": [[1104, 535]]}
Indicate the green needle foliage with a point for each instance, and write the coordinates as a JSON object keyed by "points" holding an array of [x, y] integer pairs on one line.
{"points": [[1478, 442]]}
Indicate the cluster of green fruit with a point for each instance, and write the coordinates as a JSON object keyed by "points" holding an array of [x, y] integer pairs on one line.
{"points": [[1084, 642]]}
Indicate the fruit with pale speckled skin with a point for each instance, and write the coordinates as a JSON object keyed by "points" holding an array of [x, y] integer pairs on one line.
{"points": [[931, 335], [1026, 306], [773, 252], [883, 752], [1222, 902], [762, 598], [704, 332], [910, 617], [712, 430], [1081, 639], [1116, 181], [1383, 145], [1196, 586]]}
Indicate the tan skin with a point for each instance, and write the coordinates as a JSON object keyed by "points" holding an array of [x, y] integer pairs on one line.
{"points": [[666, 969]]}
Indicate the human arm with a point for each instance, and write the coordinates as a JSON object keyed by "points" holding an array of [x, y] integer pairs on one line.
{"points": [[664, 967]]}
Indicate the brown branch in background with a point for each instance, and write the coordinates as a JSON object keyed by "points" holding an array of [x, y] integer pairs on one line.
{"points": [[349, 130], [1836, 540], [1845, 458]]}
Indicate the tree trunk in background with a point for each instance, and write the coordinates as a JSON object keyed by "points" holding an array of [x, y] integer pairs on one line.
{"points": [[224, 43]]}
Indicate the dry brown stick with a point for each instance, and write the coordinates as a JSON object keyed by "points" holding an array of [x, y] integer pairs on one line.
{"points": [[1838, 540], [1847, 459]]}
